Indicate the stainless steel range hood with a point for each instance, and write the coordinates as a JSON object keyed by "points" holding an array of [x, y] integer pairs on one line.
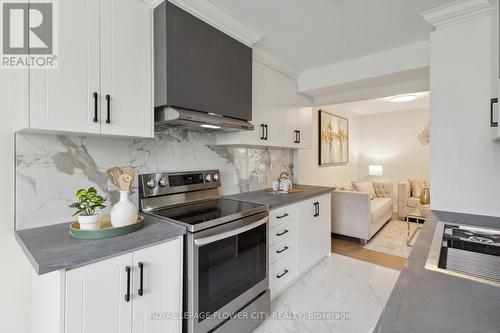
{"points": [[167, 116]]}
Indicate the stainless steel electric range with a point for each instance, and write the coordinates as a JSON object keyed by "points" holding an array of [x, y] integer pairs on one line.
{"points": [[226, 260]]}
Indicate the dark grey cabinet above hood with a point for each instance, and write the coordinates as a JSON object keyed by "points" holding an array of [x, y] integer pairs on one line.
{"points": [[202, 76]]}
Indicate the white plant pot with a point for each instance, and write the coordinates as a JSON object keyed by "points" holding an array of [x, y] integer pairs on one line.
{"points": [[124, 212], [89, 222]]}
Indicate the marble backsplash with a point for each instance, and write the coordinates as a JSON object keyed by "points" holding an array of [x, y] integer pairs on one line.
{"points": [[50, 168]]}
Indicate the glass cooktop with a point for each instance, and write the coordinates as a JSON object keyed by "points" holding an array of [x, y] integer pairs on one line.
{"points": [[205, 214]]}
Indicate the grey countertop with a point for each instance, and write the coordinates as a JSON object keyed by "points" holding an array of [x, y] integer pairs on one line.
{"points": [[429, 301], [277, 200], [51, 248]]}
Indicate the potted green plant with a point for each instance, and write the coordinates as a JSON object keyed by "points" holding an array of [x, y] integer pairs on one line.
{"points": [[88, 202]]}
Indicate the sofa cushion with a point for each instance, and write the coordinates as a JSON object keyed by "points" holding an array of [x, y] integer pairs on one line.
{"points": [[380, 207], [347, 186], [413, 202], [379, 189], [365, 187]]}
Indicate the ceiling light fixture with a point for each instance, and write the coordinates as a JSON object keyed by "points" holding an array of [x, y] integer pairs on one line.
{"points": [[403, 98]]}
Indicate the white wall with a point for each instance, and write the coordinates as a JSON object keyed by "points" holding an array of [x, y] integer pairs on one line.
{"points": [[307, 168], [15, 274], [390, 139], [465, 162]]}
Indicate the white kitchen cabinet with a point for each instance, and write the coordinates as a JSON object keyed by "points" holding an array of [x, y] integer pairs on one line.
{"points": [[93, 298], [104, 49], [161, 287], [299, 238], [62, 99], [274, 112], [304, 121], [126, 68], [313, 231]]}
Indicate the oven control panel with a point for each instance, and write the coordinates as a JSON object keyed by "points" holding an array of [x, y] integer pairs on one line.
{"points": [[156, 184]]}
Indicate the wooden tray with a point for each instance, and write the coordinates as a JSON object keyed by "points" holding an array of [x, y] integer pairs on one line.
{"points": [[292, 190], [107, 230]]}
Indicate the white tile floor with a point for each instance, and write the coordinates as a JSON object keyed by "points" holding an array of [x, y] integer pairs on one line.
{"points": [[337, 285]]}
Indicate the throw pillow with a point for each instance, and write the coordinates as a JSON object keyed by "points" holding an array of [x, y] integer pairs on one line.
{"points": [[379, 189], [417, 186], [365, 187]]}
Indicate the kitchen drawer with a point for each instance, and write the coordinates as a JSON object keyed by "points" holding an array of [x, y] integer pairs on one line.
{"points": [[282, 214], [282, 273], [283, 248], [282, 231]]}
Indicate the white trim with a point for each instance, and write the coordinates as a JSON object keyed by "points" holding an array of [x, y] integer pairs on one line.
{"points": [[275, 64], [220, 19], [458, 11]]}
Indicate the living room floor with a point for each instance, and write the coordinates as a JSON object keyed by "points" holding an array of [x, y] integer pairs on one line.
{"points": [[351, 247], [386, 248]]}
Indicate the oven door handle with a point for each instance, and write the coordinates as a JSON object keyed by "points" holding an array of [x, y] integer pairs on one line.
{"points": [[218, 237]]}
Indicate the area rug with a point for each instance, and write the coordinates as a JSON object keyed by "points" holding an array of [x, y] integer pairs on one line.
{"points": [[391, 239]]}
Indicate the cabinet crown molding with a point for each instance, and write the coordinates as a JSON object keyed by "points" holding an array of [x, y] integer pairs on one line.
{"points": [[217, 17], [457, 12]]}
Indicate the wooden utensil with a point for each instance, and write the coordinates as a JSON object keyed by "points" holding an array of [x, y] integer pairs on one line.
{"points": [[125, 181], [129, 171], [114, 174]]}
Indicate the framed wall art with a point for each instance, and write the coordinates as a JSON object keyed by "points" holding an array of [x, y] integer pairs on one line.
{"points": [[333, 139]]}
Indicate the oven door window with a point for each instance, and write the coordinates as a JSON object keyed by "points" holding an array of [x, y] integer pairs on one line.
{"points": [[229, 267]]}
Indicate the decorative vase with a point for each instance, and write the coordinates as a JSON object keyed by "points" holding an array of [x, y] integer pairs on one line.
{"points": [[89, 222], [124, 212], [425, 197]]}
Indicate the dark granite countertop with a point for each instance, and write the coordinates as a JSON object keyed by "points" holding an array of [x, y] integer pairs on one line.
{"points": [[429, 301], [51, 248], [277, 200]]}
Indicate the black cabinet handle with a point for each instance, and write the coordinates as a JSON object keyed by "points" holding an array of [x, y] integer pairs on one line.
{"points": [[262, 137], [493, 120], [283, 274], [297, 136], [266, 128], [127, 295], [95, 107], [282, 216], [282, 250], [316, 209], [141, 279], [282, 233], [108, 109]]}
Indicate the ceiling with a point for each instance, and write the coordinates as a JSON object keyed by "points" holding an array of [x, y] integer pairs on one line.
{"points": [[380, 105], [303, 35]]}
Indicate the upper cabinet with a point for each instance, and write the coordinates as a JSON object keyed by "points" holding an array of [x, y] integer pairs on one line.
{"points": [[282, 118], [103, 82]]}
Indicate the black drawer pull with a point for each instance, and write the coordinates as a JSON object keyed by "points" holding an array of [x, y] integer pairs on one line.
{"points": [[141, 279], [108, 101], [265, 126], [282, 216], [282, 233], [282, 274], [282, 250], [95, 107], [262, 137], [127, 295]]}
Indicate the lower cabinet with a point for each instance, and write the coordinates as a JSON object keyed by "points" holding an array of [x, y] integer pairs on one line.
{"points": [[139, 292], [299, 238], [314, 230]]}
